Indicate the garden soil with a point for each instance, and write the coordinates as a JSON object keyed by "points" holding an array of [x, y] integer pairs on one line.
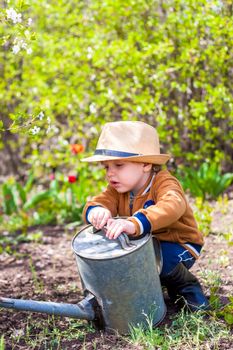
{"points": [[47, 270]]}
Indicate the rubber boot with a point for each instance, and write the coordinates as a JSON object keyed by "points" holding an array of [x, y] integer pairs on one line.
{"points": [[184, 288]]}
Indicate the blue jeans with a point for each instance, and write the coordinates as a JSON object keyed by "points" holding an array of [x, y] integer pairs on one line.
{"points": [[173, 253]]}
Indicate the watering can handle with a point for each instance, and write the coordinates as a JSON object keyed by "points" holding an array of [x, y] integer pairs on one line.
{"points": [[125, 242], [123, 239]]}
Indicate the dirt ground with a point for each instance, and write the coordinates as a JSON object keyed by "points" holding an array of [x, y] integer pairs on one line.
{"points": [[47, 271]]}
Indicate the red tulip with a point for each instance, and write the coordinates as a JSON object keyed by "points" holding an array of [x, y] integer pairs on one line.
{"points": [[72, 178], [76, 148]]}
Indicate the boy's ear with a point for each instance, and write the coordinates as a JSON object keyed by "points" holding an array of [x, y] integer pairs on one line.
{"points": [[147, 167]]}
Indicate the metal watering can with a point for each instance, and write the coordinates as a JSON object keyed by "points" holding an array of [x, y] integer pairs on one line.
{"points": [[120, 280]]}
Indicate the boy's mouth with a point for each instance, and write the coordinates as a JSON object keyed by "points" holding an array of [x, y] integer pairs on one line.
{"points": [[114, 183]]}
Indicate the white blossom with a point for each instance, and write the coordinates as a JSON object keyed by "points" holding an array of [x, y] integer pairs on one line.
{"points": [[90, 52], [135, 79], [47, 103], [13, 15], [35, 130], [139, 109], [41, 115], [92, 108], [180, 116], [29, 21], [23, 44], [34, 90], [19, 45], [16, 49], [110, 94], [55, 129], [65, 142], [48, 120], [55, 89]]}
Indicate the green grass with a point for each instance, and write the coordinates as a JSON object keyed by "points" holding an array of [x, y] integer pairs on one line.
{"points": [[187, 332], [49, 333]]}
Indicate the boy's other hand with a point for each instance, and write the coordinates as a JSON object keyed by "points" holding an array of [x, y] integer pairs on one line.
{"points": [[117, 226], [99, 216]]}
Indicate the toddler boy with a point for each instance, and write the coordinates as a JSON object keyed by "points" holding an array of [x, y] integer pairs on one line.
{"points": [[153, 202]]}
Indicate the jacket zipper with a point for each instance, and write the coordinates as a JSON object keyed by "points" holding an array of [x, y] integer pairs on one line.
{"points": [[131, 199]]}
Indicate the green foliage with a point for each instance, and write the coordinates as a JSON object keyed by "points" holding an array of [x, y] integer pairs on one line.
{"points": [[9, 205], [60, 201], [222, 311], [227, 312], [14, 194], [218, 310], [203, 215], [167, 63], [207, 182]]}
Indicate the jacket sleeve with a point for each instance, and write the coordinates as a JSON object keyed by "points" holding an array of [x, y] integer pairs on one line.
{"points": [[107, 199], [170, 206]]}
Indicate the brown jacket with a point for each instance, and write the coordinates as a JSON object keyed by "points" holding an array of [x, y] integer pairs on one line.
{"points": [[161, 208]]}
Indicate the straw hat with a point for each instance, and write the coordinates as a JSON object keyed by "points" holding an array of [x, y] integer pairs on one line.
{"points": [[128, 140]]}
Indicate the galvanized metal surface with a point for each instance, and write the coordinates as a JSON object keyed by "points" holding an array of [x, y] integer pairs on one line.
{"points": [[94, 244], [83, 310], [125, 283]]}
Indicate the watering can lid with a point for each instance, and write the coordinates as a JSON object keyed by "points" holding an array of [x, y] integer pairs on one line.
{"points": [[92, 244]]}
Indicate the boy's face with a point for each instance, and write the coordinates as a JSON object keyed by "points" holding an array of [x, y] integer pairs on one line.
{"points": [[126, 176]]}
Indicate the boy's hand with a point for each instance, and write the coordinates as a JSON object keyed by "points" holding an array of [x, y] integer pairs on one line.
{"points": [[99, 216], [116, 226]]}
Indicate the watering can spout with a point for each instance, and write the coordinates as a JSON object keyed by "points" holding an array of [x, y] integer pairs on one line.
{"points": [[85, 309]]}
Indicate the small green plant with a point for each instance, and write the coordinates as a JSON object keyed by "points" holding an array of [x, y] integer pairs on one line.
{"points": [[211, 278], [207, 182], [229, 238], [39, 287], [227, 312], [221, 311], [213, 281], [2, 343]]}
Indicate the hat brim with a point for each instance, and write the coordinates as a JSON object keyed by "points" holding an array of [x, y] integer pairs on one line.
{"points": [[152, 159]]}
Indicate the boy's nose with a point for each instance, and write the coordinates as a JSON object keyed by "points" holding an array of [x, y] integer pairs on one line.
{"points": [[110, 172]]}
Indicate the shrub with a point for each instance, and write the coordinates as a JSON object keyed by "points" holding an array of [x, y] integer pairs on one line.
{"points": [[167, 63]]}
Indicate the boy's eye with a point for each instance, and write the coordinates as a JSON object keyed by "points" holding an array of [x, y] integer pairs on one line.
{"points": [[119, 165]]}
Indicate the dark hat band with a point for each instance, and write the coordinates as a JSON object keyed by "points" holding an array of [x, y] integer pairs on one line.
{"points": [[109, 152]]}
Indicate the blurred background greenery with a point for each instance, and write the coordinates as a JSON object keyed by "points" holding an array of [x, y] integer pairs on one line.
{"points": [[67, 67]]}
